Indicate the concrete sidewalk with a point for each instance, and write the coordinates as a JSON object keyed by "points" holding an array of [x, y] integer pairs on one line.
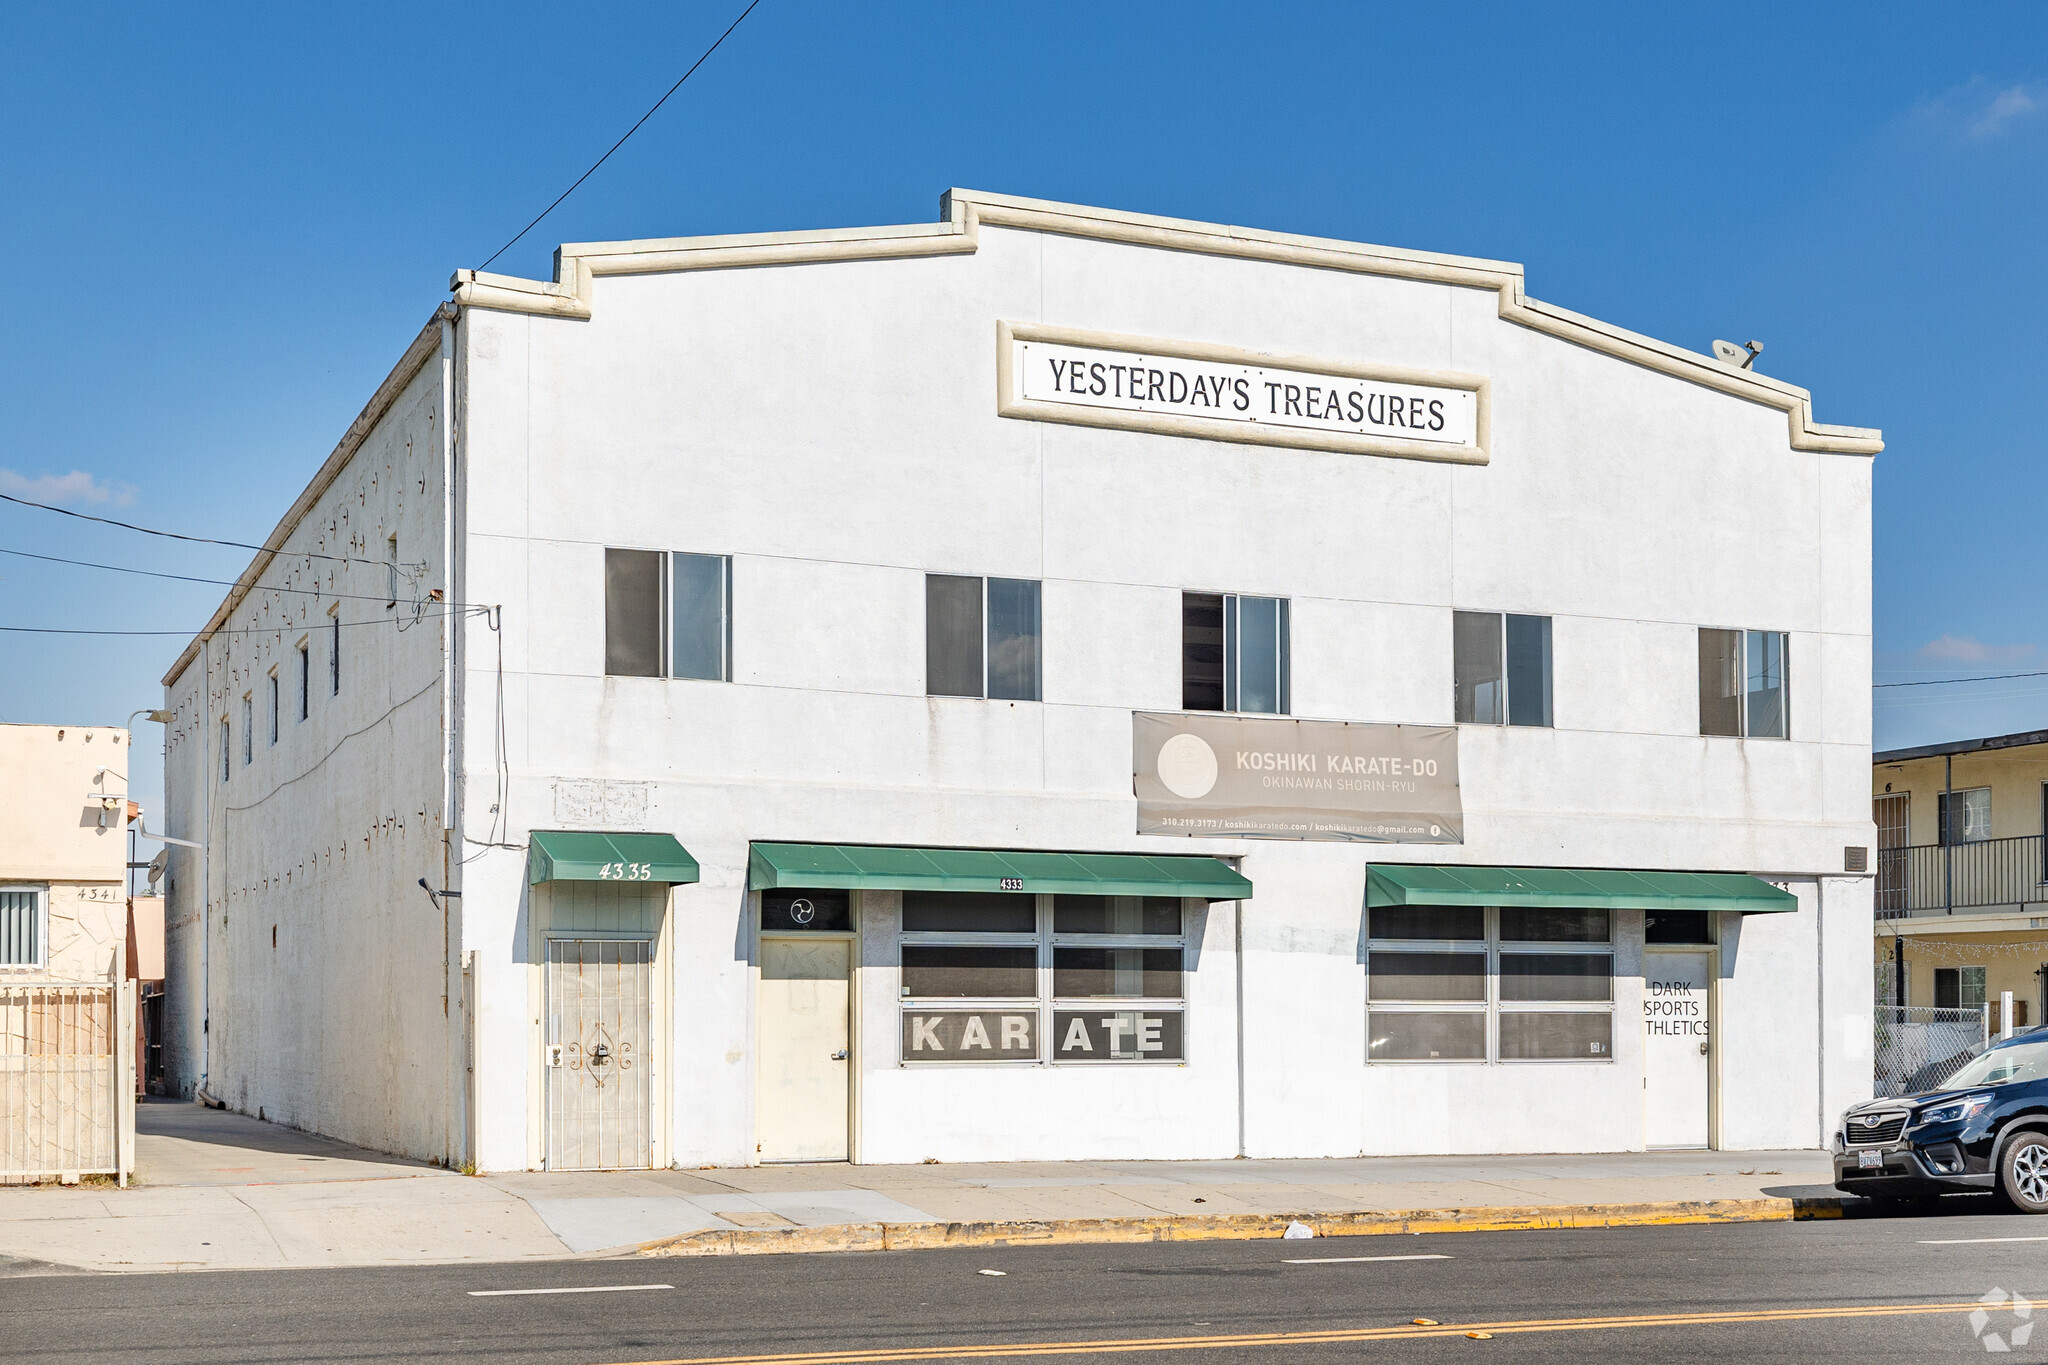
{"points": [[221, 1191]]}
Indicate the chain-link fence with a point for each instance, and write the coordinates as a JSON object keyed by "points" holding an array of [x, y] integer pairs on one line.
{"points": [[1918, 1047]]}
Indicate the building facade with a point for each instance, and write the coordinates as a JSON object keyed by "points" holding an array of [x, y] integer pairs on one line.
{"points": [[1049, 683], [1962, 878]]}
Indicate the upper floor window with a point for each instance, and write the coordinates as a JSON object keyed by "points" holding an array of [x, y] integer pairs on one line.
{"points": [[334, 652], [391, 572], [1233, 653], [1743, 678], [667, 615], [271, 693], [227, 762], [22, 911], [305, 679], [1965, 815], [248, 729], [1501, 667], [982, 637]]}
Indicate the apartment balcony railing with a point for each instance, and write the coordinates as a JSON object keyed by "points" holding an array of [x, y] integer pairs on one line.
{"points": [[1975, 878]]}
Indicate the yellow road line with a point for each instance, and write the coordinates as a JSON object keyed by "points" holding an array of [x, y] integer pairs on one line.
{"points": [[1404, 1332]]}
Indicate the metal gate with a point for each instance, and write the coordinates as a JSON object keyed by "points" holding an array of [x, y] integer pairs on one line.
{"points": [[67, 1084], [1918, 1048], [597, 1074]]}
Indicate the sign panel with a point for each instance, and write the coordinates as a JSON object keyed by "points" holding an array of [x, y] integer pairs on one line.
{"points": [[1109, 1035], [1273, 777], [1230, 394], [970, 1035]]}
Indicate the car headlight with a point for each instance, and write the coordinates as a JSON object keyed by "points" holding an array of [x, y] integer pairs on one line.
{"points": [[1955, 1111]]}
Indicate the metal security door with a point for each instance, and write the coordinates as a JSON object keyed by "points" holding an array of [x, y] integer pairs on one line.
{"points": [[802, 1097], [1677, 1049], [596, 1063]]}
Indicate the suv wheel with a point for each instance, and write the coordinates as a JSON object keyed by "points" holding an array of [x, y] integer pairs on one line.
{"points": [[2023, 1173]]}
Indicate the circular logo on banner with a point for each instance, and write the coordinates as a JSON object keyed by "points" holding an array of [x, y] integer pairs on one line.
{"points": [[802, 911], [1187, 767]]}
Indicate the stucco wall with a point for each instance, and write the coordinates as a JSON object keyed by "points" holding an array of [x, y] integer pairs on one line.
{"points": [[329, 967], [2015, 777], [833, 428], [55, 837]]}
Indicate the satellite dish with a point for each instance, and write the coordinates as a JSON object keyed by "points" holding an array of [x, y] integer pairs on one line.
{"points": [[1741, 357]]}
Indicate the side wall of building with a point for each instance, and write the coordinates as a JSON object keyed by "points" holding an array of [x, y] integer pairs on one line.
{"points": [[56, 837], [310, 973]]}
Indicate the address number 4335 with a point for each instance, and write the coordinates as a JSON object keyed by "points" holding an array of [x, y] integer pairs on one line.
{"points": [[625, 872]]}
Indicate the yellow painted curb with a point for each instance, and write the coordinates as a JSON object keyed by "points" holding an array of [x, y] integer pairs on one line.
{"points": [[1231, 1227]]}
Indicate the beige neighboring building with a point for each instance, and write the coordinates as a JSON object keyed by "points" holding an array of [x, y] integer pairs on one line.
{"points": [[66, 1088], [1962, 873]]}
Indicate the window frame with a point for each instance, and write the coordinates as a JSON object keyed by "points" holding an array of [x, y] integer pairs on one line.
{"points": [[1505, 678], [1945, 827], [248, 728], [1744, 728], [334, 650], [665, 606], [227, 751], [987, 637], [1045, 1004], [305, 677], [1492, 947], [391, 572], [1232, 605], [41, 892], [273, 687]]}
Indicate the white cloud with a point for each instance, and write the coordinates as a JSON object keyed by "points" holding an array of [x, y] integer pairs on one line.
{"points": [[2008, 104], [1970, 650], [76, 489]]}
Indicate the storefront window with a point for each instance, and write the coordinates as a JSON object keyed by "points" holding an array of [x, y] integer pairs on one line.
{"points": [[1440, 980], [806, 912], [987, 977]]}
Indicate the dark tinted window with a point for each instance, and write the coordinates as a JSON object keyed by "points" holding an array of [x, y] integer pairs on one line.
{"points": [[1427, 976], [1201, 651], [632, 613], [1541, 924], [1150, 973], [1427, 921], [1115, 915], [952, 635], [806, 911], [1556, 976], [1425, 1037], [969, 912], [1678, 926], [968, 971], [1557, 1037], [1013, 636]]}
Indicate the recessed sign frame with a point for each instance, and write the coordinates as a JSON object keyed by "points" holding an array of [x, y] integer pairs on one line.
{"points": [[1227, 393]]}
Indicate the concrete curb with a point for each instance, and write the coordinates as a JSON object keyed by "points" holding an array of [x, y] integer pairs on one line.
{"points": [[1231, 1227]]}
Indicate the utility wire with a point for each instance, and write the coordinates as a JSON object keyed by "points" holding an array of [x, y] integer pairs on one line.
{"points": [[1942, 682], [197, 540], [622, 141], [221, 582], [240, 630]]}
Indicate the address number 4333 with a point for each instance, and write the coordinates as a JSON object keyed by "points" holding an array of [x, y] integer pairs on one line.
{"points": [[625, 872]]}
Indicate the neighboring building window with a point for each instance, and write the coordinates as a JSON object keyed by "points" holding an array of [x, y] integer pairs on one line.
{"points": [[1965, 815], [1441, 981], [1501, 666], [1234, 653], [981, 637], [1959, 988], [271, 685], [1743, 683], [991, 977], [305, 679], [391, 573], [667, 615], [22, 912], [248, 729], [227, 764], [334, 653]]}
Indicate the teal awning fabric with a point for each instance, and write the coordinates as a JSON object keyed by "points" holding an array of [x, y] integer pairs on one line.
{"points": [[979, 869], [1588, 888], [555, 855]]}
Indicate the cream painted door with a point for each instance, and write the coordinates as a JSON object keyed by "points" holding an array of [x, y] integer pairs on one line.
{"points": [[596, 1063], [1677, 1049], [806, 1072]]}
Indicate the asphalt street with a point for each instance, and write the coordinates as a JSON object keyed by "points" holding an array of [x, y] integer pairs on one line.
{"points": [[1889, 1289]]}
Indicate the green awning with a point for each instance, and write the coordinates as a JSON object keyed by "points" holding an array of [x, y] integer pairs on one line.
{"points": [[981, 869], [1587, 888], [557, 855]]}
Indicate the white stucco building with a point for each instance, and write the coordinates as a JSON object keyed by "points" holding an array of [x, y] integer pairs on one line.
{"points": [[768, 649]]}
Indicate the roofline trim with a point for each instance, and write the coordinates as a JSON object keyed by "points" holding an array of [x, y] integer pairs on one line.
{"points": [[958, 232], [1989, 744], [424, 347]]}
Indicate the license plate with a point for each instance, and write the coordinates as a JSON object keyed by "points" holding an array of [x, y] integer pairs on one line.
{"points": [[1869, 1161]]}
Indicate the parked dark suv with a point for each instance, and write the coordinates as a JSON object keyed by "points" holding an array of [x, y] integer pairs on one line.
{"points": [[1986, 1128]]}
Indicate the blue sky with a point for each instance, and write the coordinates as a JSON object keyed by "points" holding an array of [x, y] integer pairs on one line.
{"points": [[224, 225]]}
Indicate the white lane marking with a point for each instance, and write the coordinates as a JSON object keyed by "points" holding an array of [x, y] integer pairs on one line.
{"points": [[582, 1289], [1354, 1260], [1971, 1241]]}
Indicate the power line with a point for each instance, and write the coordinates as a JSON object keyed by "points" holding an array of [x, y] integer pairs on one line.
{"points": [[196, 540], [240, 630], [188, 578], [622, 141], [1988, 677]]}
